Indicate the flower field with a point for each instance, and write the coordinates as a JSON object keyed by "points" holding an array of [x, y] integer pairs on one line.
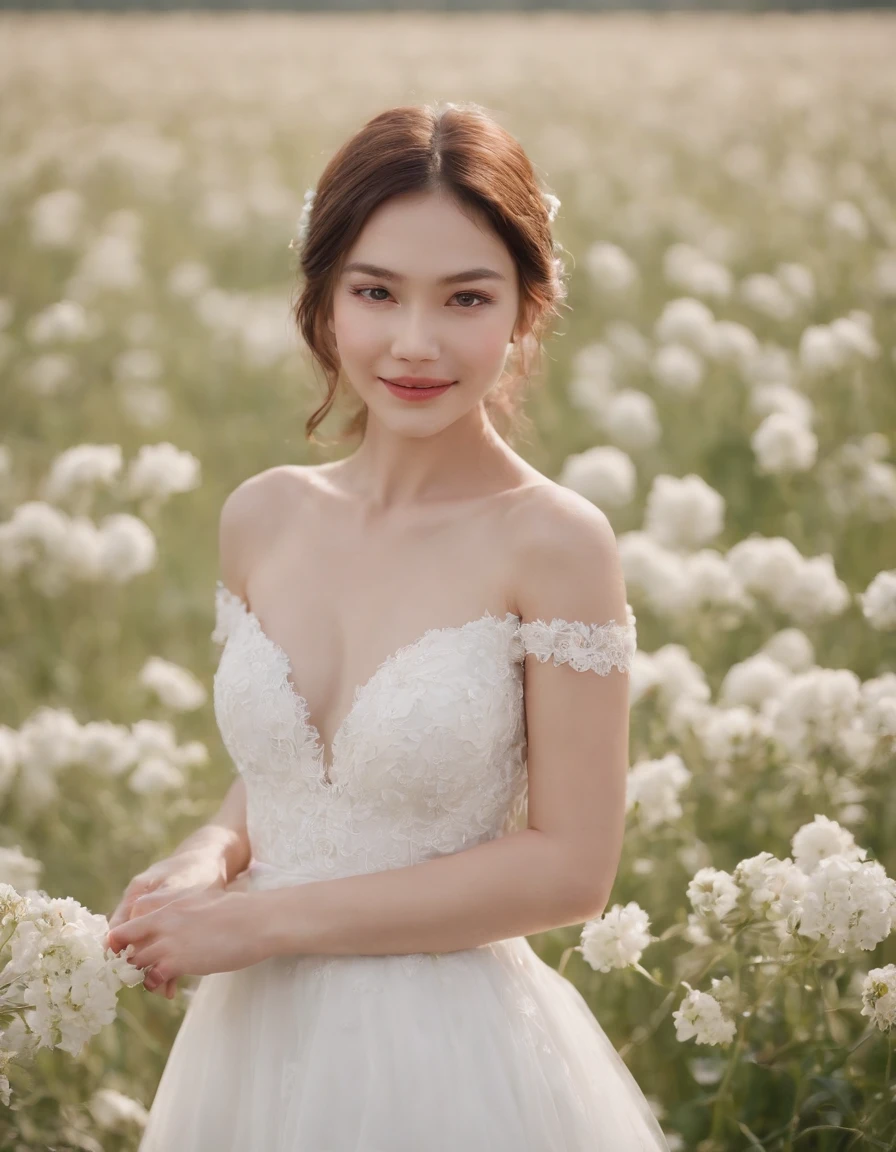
{"points": [[722, 384]]}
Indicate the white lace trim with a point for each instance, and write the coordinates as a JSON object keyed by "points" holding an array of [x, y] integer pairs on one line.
{"points": [[585, 647]]}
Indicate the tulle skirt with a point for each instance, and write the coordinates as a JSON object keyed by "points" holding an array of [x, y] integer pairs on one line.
{"points": [[486, 1050]]}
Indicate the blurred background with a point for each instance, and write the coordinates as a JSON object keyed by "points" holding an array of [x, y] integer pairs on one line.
{"points": [[723, 386]]}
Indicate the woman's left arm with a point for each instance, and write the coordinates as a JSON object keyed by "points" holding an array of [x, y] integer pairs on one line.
{"points": [[560, 869]]}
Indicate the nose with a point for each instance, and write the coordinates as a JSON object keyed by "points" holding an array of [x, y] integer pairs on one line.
{"points": [[415, 337]]}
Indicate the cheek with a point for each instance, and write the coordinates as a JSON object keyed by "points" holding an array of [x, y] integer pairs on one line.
{"points": [[355, 329], [487, 343]]}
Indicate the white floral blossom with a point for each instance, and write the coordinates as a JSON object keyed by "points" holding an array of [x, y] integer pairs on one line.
{"points": [[879, 996], [713, 892], [617, 938], [176, 687], [700, 1017], [820, 839], [878, 601], [848, 903]]}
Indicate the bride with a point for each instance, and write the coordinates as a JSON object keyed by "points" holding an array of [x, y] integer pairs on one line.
{"points": [[414, 797]]}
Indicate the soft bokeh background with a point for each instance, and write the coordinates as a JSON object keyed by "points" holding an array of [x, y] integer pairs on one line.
{"points": [[728, 188]]}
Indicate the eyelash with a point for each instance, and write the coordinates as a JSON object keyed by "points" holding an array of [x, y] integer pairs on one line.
{"points": [[378, 288]]}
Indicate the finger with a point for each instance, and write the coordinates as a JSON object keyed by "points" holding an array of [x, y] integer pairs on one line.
{"points": [[150, 952], [137, 887], [131, 932], [166, 988], [154, 900], [121, 913]]}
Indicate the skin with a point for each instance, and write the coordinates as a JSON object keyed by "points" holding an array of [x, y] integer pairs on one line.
{"points": [[433, 505], [444, 448]]}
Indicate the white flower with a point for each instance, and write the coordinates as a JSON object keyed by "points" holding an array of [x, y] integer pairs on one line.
{"points": [[80, 470], [610, 268], [885, 275], [617, 938], [710, 582], [106, 748], [783, 444], [700, 1016], [798, 280], [155, 774], [112, 1110], [55, 219], [813, 708], [654, 786], [552, 203], [176, 687], [604, 474], [686, 321], [879, 996], [160, 470], [691, 270], [658, 572], [774, 886], [878, 601], [753, 681], [765, 294], [128, 547], [631, 421], [768, 398], [726, 733], [849, 903], [823, 838], [683, 512], [189, 278], [712, 892], [792, 648], [678, 368], [304, 220], [808, 589], [18, 870], [733, 343], [64, 320], [846, 218], [59, 966]]}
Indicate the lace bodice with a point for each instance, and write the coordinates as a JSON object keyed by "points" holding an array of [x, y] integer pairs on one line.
{"points": [[430, 759]]}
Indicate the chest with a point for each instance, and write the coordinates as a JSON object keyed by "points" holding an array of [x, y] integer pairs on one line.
{"points": [[435, 714], [339, 605]]}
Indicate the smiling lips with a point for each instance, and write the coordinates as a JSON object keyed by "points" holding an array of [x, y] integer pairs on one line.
{"points": [[417, 381]]}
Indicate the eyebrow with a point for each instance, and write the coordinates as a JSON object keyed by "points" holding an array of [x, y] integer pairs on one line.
{"points": [[454, 278]]}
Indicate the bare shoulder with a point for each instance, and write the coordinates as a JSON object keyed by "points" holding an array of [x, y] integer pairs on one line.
{"points": [[253, 514], [565, 557]]}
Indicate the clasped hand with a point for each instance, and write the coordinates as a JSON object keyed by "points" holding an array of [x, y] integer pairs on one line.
{"points": [[190, 935]]}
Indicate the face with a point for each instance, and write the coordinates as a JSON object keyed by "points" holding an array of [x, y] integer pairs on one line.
{"points": [[409, 320]]}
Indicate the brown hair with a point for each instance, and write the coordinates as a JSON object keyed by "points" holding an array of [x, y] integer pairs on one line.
{"points": [[458, 148]]}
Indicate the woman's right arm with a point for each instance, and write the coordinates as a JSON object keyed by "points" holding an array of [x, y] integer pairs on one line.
{"points": [[248, 523]]}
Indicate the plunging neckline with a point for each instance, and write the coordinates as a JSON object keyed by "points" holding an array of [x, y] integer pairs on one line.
{"points": [[325, 762]]}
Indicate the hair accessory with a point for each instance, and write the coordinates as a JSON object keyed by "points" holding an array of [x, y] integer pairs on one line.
{"points": [[551, 202], [296, 243]]}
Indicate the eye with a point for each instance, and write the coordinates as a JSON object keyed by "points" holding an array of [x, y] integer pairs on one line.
{"points": [[480, 296]]}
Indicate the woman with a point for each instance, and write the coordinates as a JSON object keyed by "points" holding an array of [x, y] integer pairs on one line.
{"points": [[415, 797]]}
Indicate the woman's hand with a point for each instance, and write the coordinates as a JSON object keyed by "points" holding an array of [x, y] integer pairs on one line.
{"points": [[174, 878], [194, 935]]}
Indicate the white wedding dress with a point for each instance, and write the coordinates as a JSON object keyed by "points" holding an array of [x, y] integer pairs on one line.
{"points": [[487, 1049]]}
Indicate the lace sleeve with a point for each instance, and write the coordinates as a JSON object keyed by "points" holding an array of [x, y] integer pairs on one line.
{"points": [[228, 609], [598, 647]]}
